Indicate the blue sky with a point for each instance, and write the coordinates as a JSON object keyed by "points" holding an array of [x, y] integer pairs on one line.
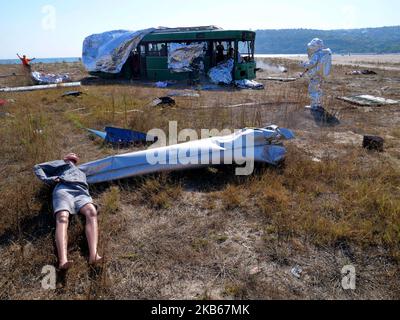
{"points": [[56, 28]]}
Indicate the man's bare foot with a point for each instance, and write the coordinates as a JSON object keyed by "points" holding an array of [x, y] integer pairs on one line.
{"points": [[99, 260], [66, 266]]}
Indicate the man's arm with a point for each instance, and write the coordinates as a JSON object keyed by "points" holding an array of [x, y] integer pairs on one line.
{"points": [[19, 56], [45, 172]]}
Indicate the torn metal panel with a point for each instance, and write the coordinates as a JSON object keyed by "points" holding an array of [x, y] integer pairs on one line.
{"points": [[49, 78], [368, 100], [254, 145], [181, 56], [107, 52]]}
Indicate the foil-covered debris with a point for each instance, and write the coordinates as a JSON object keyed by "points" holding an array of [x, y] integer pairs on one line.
{"points": [[247, 145], [49, 78], [249, 84], [222, 73], [181, 56], [108, 52]]}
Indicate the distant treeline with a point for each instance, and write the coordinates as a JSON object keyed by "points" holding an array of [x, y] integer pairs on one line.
{"points": [[293, 41]]}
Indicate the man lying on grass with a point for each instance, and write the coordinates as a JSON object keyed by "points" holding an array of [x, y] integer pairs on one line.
{"points": [[70, 197]]}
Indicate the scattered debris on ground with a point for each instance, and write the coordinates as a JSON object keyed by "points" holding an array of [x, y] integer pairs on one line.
{"points": [[374, 143], [249, 84], [41, 87], [368, 100], [297, 271], [280, 79], [72, 94], [118, 136], [361, 72], [163, 101], [49, 78], [184, 93], [255, 145]]}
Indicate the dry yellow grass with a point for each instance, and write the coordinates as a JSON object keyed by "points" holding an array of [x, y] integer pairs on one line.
{"points": [[201, 234]]}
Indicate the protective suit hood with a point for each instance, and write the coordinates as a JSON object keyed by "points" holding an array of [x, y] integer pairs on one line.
{"points": [[314, 46]]}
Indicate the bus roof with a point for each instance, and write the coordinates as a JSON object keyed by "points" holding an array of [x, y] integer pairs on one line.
{"points": [[198, 34]]}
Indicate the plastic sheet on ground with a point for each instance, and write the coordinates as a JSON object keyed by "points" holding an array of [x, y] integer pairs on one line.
{"points": [[49, 78], [368, 100], [249, 84], [253, 145], [107, 52], [222, 73], [182, 56]]}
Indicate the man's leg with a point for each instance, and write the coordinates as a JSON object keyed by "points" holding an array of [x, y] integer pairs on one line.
{"points": [[62, 238], [315, 92], [92, 231]]}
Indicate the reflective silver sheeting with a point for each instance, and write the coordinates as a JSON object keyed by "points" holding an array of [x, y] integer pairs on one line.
{"points": [[44, 78], [222, 73], [107, 52], [319, 67], [181, 56], [247, 145]]}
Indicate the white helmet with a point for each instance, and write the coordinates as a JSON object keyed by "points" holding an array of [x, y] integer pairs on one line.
{"points": [[314, 46]]}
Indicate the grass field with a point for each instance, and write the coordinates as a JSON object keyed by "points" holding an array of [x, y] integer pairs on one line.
{"points": [[208, 233]]}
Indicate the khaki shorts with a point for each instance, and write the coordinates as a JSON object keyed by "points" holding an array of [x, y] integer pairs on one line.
{"points": [[71, 198]]}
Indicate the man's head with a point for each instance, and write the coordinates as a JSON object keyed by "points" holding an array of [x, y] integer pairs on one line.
{"points": [[24, 56], [72, 157], [314, 46]]}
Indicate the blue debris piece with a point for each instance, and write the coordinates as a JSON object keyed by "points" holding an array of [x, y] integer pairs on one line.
{"points": [[122, 136], [100, 134]]}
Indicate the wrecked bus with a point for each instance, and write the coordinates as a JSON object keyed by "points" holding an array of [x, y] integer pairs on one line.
{"points": [[155, 53]]}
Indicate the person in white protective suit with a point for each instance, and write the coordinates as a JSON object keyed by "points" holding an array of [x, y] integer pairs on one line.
{"points": [[317, 68]]}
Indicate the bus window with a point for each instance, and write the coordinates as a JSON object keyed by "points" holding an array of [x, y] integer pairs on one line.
{"points": [[246, 51], [223, 50], [158, 50]]}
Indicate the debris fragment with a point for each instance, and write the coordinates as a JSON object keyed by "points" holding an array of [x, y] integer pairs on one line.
{"points": [[163, 101], [3, 102], [72, 94], [279, 79], [181, 57], [374, 143], [118, 136], [222, 73], [6, 115], [249, 84], [297, 271], [41, 87], [368, 100], [253, 145], [161, 84], [361, 72], [49, 78], [184, 93]]}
